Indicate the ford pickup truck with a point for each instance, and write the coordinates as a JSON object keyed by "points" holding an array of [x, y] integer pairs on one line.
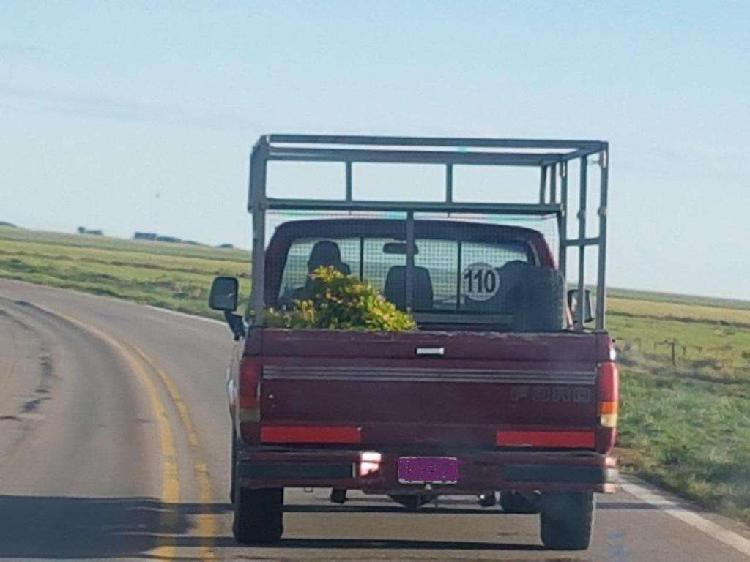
{"points": [[505, 386]]}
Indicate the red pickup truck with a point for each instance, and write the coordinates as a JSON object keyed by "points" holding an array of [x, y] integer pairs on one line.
{"points": [[502, 388]]}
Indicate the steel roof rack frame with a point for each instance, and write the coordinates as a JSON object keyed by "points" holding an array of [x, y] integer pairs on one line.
{"points": [[551, 157]]}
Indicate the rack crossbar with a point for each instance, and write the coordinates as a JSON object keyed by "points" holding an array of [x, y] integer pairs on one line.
{"points": [[468, 158], [593, 145], [577, 242], [415, 206]]}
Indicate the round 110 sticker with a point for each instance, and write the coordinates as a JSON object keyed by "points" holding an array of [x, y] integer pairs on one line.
{"points": [[480, 281]]}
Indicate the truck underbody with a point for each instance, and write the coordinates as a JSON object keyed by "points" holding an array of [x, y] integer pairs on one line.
{"points": [[377, 472]]}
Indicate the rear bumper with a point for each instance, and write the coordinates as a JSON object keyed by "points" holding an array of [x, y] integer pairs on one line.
{"points": [[478, 471]]}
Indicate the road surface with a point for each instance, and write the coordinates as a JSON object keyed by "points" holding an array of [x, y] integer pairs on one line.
{"points": [[114, 443]]}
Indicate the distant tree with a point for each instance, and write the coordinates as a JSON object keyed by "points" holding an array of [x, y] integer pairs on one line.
{"points": [[170, 239], [144, 236], [81, 230]]}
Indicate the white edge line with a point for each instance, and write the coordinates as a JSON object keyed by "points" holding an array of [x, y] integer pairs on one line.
{"points": [[686, 515]]}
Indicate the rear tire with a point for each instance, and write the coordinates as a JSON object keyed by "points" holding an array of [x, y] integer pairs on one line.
{"points": [[258, 515], [567, 520]]}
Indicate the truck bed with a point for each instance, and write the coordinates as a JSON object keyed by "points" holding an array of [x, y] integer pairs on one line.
{"points": [[424, 391]]}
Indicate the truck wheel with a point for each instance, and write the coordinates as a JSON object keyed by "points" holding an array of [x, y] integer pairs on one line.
{"points": [[516, 502], [567, 520], [258, 515]]}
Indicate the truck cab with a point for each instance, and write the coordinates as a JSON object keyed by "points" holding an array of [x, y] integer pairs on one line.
{"points": [[505, 385]]}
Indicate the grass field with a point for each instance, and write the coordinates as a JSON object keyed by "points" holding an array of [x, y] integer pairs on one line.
{"points": [[175, 276], [685, 426]]}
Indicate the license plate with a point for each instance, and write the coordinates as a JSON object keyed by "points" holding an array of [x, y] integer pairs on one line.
{"points": [[428, 470]]}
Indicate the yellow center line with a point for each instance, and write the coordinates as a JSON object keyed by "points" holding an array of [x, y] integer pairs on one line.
{"points": [[206, 522], [170, 485]]}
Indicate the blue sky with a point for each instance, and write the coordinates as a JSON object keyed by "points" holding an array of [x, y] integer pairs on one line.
{"points": [[127, 116]]}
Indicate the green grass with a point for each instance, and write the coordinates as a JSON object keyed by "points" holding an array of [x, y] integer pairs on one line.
{"points": [[683, 426], [689, 435], [707, 348], [174, 276], [686, 427], [677, 298]]}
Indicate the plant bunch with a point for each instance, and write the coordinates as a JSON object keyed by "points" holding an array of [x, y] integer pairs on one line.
{"points": [[335, 301]]}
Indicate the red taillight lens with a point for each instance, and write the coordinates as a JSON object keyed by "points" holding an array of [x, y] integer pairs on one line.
{"points": [[608, 394], [249, 391], [608, 405], [310, 434]]}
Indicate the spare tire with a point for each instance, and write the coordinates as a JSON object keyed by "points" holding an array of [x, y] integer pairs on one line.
{"points": [[516, 502], [412, 502]]}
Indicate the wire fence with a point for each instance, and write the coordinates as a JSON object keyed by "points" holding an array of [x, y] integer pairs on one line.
{"points": [[725, 358]]}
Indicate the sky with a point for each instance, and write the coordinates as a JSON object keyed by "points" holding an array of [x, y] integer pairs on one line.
{"points": [[141, 115]]}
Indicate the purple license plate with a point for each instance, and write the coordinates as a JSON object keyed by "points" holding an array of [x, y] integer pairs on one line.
{"points": [[423, 470]]}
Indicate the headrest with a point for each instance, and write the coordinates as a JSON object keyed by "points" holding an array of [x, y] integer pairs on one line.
{"points": [[324, 253]]}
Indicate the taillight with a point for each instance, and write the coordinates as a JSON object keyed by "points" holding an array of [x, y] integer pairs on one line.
{"points": [[369, 463], [608, 404], [249, 388]]}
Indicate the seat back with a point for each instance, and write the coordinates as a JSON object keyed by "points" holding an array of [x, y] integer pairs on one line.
{"points": [[395, 288]]}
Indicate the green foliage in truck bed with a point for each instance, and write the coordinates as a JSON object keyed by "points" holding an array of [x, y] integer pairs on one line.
{"points": [[335, 301]]}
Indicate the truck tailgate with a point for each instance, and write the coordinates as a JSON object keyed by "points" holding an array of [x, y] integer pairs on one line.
{"points": [[429, 389]]}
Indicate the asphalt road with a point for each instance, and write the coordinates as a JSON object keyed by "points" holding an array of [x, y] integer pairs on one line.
{"points": [[114, 443]]}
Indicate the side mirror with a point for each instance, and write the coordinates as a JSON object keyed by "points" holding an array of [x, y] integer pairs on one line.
{"points": [[224, 294], [574, 302]]}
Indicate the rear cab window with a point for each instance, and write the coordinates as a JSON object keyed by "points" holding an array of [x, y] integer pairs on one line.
{"points": [[462, 277]]}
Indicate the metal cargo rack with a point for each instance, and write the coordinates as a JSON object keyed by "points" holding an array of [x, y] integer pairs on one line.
{"points": [[551, 157]]}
